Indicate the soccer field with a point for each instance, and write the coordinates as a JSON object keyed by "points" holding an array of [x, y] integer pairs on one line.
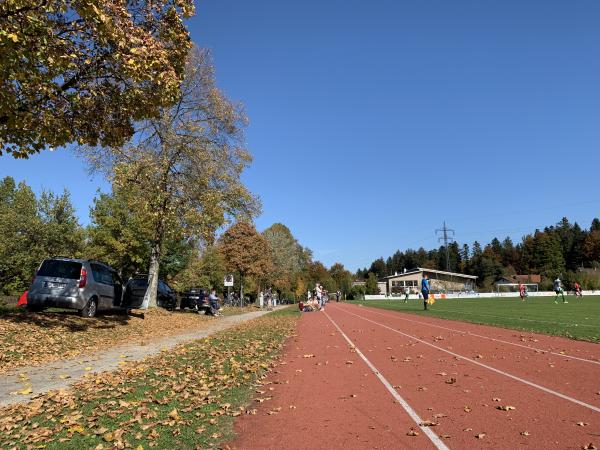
{"points": [[578, 319]]}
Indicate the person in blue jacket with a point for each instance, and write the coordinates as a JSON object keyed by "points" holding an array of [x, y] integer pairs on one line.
{"points": [[425, 290]]}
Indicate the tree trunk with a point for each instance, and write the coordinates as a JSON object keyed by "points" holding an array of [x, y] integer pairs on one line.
{"points": [[153, 276], [242, 289]]}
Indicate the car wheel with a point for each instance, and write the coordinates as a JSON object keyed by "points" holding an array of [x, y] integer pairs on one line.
{"points": [[90, 309]]}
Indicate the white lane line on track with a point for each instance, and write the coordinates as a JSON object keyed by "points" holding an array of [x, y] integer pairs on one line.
{"points": [[493, 369], [485, 337], [434, 438]]}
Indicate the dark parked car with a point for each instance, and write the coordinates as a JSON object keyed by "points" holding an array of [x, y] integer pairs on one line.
{"points": [[196, 299], [136, 287], [192, 297], [85, 285]]}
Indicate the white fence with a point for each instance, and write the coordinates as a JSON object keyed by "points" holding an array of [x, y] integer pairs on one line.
{"points": [[472, 295]]}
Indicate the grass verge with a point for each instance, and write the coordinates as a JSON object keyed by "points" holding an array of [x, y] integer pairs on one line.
{"points": [[186, 398], [579, 319], [29, 339]]}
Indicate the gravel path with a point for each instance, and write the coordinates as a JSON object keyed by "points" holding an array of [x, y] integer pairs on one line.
{"points": [[25, 383]]}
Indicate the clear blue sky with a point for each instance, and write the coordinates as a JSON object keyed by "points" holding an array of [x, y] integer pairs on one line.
{"points": [[372, 122]]}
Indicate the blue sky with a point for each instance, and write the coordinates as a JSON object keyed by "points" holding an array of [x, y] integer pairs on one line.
{"points": [[373, 122]]}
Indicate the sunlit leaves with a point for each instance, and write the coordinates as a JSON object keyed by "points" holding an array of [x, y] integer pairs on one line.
{"points": [[83, 72]]}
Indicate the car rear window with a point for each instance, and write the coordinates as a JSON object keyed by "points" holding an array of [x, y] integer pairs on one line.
{"points": [[138, 282], [60, 269]]}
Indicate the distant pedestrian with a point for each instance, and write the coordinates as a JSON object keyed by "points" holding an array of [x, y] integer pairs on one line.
{"points": [[338, 295], [522, 291], [558, 289], [425, 291], [577, 288], [406, 294]]}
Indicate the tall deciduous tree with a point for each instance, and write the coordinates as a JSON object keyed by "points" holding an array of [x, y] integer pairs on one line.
{"points": [[246, 253], [83, 71], [182, 171], [371, 286], [118, 235], [591, 246], [289, 258], [341, 276], [32, 229], [205, 269]]}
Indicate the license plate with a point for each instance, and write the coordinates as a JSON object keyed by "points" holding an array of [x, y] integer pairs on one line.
{"points": [[52, 285]]}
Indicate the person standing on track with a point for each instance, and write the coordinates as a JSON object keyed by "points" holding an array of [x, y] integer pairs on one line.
{"points": [[425, 291], [558, 289], [319, 295]]}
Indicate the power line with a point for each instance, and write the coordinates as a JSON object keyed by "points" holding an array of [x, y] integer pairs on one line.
{"points": [[445, 237]]}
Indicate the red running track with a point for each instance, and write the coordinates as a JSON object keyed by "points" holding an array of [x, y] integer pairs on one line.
{"points": [[415, 369]]}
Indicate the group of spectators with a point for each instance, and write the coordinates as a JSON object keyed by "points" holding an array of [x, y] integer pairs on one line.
{"points": [[267, 298], [317, 298]]}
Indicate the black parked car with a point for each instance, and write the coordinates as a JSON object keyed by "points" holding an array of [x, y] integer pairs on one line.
{"points": [[196, 299], [192, 297], [136, 287]]}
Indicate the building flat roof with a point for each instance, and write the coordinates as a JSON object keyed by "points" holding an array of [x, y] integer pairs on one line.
{"points": [[421, 269]]}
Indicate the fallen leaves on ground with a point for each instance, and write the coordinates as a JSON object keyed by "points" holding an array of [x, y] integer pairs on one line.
{"points": [[428, 423], [33, 339], [506, 408], [152, 403]]}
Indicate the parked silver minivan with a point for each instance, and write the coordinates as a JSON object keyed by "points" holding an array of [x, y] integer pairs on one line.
{"points": [[85, 285]]}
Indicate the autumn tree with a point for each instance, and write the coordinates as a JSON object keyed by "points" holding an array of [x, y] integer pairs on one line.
{"points": [[289, 258], [591, 246], [182, 170], [341, 276], [84, 71], [246, 253]]}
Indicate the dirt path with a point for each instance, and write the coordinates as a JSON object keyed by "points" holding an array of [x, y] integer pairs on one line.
{"points": [[25, 383], [469, 386]]}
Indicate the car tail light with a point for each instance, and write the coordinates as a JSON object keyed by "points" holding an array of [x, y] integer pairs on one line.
{"points": [[83, 278]]}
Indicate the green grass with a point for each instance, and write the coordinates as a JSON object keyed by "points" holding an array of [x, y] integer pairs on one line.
{"points": [[579, 319], [185, 398]]}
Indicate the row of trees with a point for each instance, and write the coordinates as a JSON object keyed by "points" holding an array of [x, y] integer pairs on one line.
{"points": [[562, 250], [36, 227], [123, 83]]}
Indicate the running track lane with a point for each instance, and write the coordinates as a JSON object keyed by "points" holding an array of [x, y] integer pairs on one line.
{"points": [[330, 400], [462, 394], [586, 352], [576, 378]]}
